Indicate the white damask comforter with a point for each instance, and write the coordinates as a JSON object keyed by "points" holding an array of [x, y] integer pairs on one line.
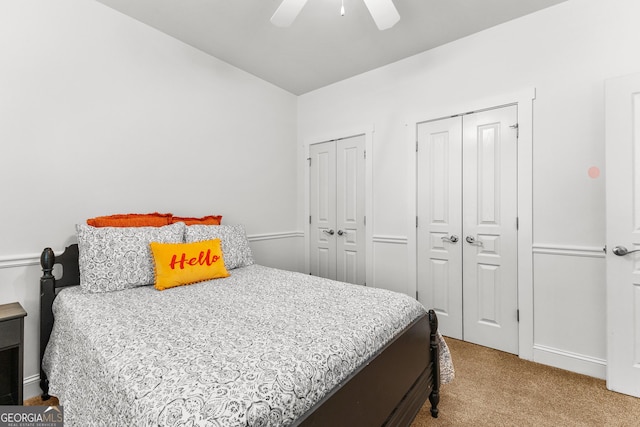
{"points": [[258, 348]]}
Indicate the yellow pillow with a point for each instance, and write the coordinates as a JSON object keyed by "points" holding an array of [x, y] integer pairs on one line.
{"points": [[179, 264]]}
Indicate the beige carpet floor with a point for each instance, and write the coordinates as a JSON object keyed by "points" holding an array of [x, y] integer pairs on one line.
{"points": [[494, 389]]}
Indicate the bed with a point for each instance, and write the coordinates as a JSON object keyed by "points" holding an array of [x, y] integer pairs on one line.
{"points": [[259, 347]]}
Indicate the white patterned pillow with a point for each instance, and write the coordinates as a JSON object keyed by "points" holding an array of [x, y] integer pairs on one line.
{"points": [[115, 258], [235, 246]]}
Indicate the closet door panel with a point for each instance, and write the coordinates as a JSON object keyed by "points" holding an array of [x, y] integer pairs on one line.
{"points": [[439, 221], [350, 209], [322, 180], [490, 228], [337, 209]]}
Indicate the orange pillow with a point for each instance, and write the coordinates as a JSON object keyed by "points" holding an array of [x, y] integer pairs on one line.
{"points": [[178, 264], [131, 220], [205, 220]]}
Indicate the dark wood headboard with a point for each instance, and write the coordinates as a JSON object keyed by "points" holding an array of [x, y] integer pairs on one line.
{"points": [[49, 286]]}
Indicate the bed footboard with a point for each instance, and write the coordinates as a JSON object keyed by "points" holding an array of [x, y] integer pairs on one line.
{"points": [[391, 388]]}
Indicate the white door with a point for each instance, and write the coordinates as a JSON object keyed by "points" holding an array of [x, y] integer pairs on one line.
{"points": [[322, 178], [467, 225], [439, 225], [490, 215], [350, 215], [337, 208], [623, 234]]}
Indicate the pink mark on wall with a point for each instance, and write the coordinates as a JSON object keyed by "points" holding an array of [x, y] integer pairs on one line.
{"points": [[594, 172]]}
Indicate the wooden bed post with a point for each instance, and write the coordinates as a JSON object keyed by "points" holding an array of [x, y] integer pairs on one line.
{"points": [[47, 294], [434, 397]]}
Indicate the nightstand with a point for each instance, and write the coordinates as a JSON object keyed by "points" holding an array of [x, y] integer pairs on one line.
{"points": [[11, 353]]}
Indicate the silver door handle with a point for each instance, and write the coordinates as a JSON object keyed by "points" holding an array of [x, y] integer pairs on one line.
{"points": [[451, 239], [329, 232], [472, 241], [622, 251], [340, 232]]}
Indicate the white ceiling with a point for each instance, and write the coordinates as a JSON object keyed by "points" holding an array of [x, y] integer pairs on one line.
{"points": [[321, 47]]}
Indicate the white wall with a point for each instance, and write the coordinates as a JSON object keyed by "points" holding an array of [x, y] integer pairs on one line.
{"points": [[565, 52], [100, 114]]}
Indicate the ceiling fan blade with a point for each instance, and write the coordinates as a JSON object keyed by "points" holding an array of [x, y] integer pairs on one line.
{"points": [[384, 13], [287, 12]]}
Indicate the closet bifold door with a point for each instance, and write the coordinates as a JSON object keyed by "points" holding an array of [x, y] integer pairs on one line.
{"points": [[322, 180], [467, 225], [350, 206], [337, 209], [439, 222], [490, 211]]}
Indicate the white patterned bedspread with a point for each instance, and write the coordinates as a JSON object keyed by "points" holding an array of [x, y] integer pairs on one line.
{"points": [[258, 348]]}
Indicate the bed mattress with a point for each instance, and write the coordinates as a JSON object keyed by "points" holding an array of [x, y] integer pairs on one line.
{"points": [[258, 348]]}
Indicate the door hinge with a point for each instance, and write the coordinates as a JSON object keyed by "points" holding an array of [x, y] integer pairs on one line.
{"points": [[309, 159], [309, 219], [416, 146], [416, 294], [518, 315], [365, 154], [517, 223], [365, 220], [517, 128]]}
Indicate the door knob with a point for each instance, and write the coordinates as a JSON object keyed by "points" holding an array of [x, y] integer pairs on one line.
{"points": [[472, 241], [329, 232], [622, 251], [340, 232], [451, 239]]}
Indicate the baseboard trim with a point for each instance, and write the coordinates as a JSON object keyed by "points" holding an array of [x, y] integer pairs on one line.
{"points": [[31, 387], [569, 361]]}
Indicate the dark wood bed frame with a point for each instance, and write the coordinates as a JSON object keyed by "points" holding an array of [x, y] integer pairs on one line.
{"points": [[388, 390]]}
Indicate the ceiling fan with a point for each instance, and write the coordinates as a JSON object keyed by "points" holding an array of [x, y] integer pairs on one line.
{"points": [[384, 12]]}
